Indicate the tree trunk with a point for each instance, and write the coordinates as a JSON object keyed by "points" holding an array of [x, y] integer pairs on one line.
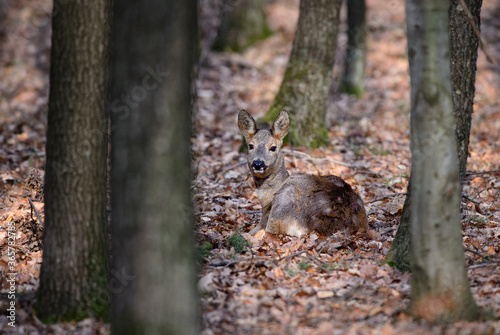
{"points": [[73, 279], [153, 245], [308, 77], [353, 81], [439, 275], [243, 22], [463, 57], [398, 255]]}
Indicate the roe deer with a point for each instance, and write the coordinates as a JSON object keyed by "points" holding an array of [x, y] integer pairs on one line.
{"points": [[296, 205]]}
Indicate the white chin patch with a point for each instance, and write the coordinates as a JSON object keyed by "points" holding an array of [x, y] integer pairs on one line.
{"points": [[259, 171]]}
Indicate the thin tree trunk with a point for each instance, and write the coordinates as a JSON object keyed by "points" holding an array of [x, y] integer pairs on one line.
{"points": [[353, 81], [463, 55], [153, 244], [73, 280], [308, 77], [439, 275]]}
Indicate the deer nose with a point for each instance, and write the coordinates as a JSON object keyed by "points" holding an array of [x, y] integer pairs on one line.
{"points": [[258, 165]]}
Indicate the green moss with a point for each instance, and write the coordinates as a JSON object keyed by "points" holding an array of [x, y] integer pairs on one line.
{"points": [[252, 39], [238, 242], [202, 251], [245, 27], [304, 265], [290, 272], [352, 90], [393, 263], [318, 141]]}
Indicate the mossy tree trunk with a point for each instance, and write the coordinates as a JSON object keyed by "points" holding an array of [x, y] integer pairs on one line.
{"points": [[153, 50], [439, 275], [242, 23], [353, 80], [463, 57], [73, 279], [398, 255], [308, 77]]}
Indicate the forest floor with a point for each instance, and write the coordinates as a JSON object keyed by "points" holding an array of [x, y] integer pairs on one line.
{"points": [[271, 285]]}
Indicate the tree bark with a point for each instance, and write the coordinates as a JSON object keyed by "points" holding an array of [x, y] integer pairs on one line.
{"points": [[398, 255], [243, 22], [463, 55], [154, 291], [308, 77], [353, 81], [463, 58], [73, 279], [439, 275]]}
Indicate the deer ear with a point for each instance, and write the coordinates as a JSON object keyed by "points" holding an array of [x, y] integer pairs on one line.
{"points": [[281, 125], [247, 124]]}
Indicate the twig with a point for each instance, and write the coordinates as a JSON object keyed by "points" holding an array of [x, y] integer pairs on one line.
{"points": [[476, 253], [471, 199], [292, 255], [473, 24], [482, 265], [385, 197], [222, 212], [253, 258], [319, 263], [473, 173], [36, 212], [378, 175]]}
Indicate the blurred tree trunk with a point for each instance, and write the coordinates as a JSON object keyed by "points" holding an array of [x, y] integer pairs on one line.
{"points": [[353, 81], [463, 58], [153, 244], [439, 275], [243, 22], [73, 279], [308, 77]]}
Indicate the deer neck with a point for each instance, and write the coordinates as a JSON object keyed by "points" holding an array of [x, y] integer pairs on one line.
{"points": [[268, 186]]}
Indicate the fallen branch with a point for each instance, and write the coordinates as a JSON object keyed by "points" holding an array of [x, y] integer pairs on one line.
{"points": [[476, 253], [482, 265], [385, 197], [471, 199], [474, 173]]}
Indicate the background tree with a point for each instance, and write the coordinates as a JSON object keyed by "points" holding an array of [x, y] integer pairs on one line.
{"points": [[463, 57], [439, 275], [73, 279], [242, 23], [353, 80], [308, 77], [153, 247]]}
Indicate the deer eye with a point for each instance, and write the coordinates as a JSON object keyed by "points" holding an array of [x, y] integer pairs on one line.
{"points": [[273, 148], [250, 147]]}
